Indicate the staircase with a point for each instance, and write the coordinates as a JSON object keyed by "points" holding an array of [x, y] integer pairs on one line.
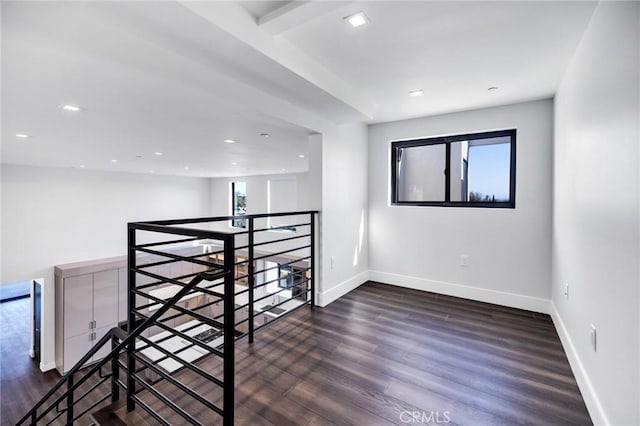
{"points": [[175, 363]]}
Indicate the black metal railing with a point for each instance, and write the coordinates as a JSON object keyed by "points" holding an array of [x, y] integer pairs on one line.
{"points": [[62, 399], [195, 286]]}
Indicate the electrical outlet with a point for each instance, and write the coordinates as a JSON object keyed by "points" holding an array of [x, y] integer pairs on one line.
{"points": [[566, 291], [464, 260], [332, 262], [594, 338]]}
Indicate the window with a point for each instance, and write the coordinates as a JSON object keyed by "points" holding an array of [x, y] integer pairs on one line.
{"points": [[239, 203], [475, 170]]}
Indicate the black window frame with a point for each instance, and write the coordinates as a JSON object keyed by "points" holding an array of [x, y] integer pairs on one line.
{"points": [[447, 141]]}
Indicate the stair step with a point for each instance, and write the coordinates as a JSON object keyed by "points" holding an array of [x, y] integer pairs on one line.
{"points": [[116, 415], [107, 417]]}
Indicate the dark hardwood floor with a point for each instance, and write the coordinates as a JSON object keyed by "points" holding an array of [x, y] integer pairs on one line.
{"points": [[379, 355]]}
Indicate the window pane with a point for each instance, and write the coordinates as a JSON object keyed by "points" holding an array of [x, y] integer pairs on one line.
{"points": [[239, 204], [420, 173], [459, 169], [489, 170]]}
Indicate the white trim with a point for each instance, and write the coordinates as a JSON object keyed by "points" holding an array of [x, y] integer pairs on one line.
{"points": [[48, 366], [502, 298], [598, 415], [335, 292]]}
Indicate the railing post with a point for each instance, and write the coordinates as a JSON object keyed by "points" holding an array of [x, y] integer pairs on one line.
{"points": [[312, 260], [251, 279], [131, 305], [228, 401], [70, 400], [115, 372]]}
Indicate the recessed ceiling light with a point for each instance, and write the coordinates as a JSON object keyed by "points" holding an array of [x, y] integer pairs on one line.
{"points": [[265, 135], [72, 108], [151, 171], [82, 166], [301, 155], [158, 153], [229, 141], [357, 19], [186, 167], [284, 170], [234, 163], [22, 136], [114, 161], [416, 93], [492, 88]]}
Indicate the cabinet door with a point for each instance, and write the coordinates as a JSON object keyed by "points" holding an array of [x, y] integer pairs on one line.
{"points": [[78, 305], [104, 351], [105, 298], [75, 348]]}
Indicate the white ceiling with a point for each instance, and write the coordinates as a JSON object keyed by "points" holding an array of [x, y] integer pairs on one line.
{"points": [[179, 78]]}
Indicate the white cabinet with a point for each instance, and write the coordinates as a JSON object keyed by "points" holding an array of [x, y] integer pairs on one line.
{"points": [[87, 307]]}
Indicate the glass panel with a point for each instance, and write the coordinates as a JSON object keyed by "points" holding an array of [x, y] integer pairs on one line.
{"points": [[489, 170], [420, 173], [459, 167], [239, 203]]}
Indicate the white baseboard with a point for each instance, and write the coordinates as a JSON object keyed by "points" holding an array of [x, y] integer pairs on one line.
{"points": [[326, 297], [48, 366], [597, 413], [512, 300]]}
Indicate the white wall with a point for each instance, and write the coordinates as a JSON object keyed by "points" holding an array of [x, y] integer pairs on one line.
{"points": [[54, 216], [420, 247], [257, 200], [344, 211], [595, 214]]}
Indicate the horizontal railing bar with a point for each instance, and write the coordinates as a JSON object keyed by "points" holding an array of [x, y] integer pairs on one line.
{"points": [[189, 259], [282, 289], [216, 283], [226, 218], [155, 345], [241, 277], [164, 319], [189, 338], [277, 253], [94, 405], [189, 365], [275, 228], [168, 402], [150, 410], [161, 243], [204, 289], [101, 381], [196, 315], [177, 230], [165, 262], [56, 417], [281, 240], [182, 386], [174, 316], [275, 280], [300, 259]]}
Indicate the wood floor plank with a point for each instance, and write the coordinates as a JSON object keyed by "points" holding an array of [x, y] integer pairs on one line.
{"points": [[377, 356]]}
